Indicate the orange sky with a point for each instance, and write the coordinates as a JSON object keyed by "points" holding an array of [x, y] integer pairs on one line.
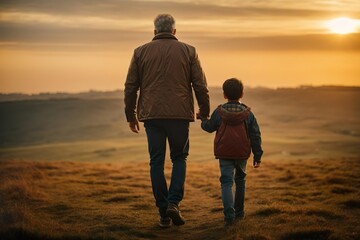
{"points": [[78, 45]]}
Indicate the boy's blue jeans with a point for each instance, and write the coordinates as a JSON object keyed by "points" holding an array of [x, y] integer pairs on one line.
{"points": [[177, 134], [233, 209]]}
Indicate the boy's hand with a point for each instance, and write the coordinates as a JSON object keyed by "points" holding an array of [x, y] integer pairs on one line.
{"points": [[256, 164]]}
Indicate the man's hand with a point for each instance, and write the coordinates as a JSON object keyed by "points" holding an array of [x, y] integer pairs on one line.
{"points": [[134, 126], [256, 164], [198, 116]]}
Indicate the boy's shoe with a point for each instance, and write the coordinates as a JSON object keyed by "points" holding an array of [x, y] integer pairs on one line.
{"points": [[229, 222], [165, 222], [174, 213]]}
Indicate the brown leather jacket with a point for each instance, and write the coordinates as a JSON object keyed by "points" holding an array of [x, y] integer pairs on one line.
{"points": [[165, 70]]}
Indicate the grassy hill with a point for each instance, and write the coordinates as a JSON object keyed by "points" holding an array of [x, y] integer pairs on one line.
{"points": [[295, 123], [71, 169]]}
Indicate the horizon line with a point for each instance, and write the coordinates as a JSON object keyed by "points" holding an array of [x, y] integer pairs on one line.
{"points": [[302, 86]]}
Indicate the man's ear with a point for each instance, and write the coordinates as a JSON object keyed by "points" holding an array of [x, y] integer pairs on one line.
{"points": [[174, 31], [155, 32]]}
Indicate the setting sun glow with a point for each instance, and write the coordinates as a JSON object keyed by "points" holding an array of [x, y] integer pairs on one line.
{"points": [[342, 25], [57, 47]]}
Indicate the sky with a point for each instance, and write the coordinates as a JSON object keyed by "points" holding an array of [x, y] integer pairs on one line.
{"points": [[81, 45]]}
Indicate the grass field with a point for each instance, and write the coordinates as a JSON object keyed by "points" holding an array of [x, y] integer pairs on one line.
{"points": [[285, 200], [71, 169]]}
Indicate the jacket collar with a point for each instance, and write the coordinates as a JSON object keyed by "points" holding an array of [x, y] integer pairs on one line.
{"points": [[164, 36]]}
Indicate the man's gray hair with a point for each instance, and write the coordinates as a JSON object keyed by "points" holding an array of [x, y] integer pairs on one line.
{"points": [[164, 23]]}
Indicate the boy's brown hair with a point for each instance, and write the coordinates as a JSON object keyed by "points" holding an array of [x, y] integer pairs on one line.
{"points": [[233, 89]]}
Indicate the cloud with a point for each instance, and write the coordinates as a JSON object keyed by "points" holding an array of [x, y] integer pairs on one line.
{"points": [[148, 9], [312, 42], [94, 24], [46, 37], [46, 33]]}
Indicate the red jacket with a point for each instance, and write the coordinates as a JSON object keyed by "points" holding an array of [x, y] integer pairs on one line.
{"points": [[228, 146], [232, 140]]}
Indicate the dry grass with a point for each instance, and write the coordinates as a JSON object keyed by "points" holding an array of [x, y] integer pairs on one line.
{"points": [[285, 200], [307, 188]]}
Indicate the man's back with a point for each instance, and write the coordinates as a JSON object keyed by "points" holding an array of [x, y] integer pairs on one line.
{"points": [[163, 59], [165, 70]]}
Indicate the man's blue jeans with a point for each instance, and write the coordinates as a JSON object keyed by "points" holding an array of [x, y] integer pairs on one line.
{"points": [[227, 168], [177, 134]]}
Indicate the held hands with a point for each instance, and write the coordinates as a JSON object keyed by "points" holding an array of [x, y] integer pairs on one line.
{"points": [[198, 116], [134, 126]]}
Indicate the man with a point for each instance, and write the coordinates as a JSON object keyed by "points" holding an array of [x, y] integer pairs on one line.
{"points": [[165, 71]]}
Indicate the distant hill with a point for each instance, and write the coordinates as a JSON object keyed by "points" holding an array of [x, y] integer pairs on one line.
{"points": [[298, 122], [60, 95], [6, 97]]}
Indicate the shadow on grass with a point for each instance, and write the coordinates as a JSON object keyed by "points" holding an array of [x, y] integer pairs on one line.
{"points": [[217, 209], [307, 234], [257, 237], [130, 231], [337, 180], [324, 214], [342, 190], [351, 204], [265, 212], [141, 207], [120, 199], [24, 234], [287, 177]]}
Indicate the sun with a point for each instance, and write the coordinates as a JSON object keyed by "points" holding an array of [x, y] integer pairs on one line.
{"points": [[343, 25]]}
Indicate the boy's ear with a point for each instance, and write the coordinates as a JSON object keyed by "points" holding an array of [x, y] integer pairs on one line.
{"points": [[225, 96], [242, 95]]}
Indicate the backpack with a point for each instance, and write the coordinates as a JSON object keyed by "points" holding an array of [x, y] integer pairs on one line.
{"points": [[232, 139]]}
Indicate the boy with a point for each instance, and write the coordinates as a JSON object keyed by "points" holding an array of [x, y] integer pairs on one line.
{"points": [[237, 133]]}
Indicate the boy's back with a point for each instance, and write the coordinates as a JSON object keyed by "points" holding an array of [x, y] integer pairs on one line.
{"points": [[231, 139], [237, 132]]}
